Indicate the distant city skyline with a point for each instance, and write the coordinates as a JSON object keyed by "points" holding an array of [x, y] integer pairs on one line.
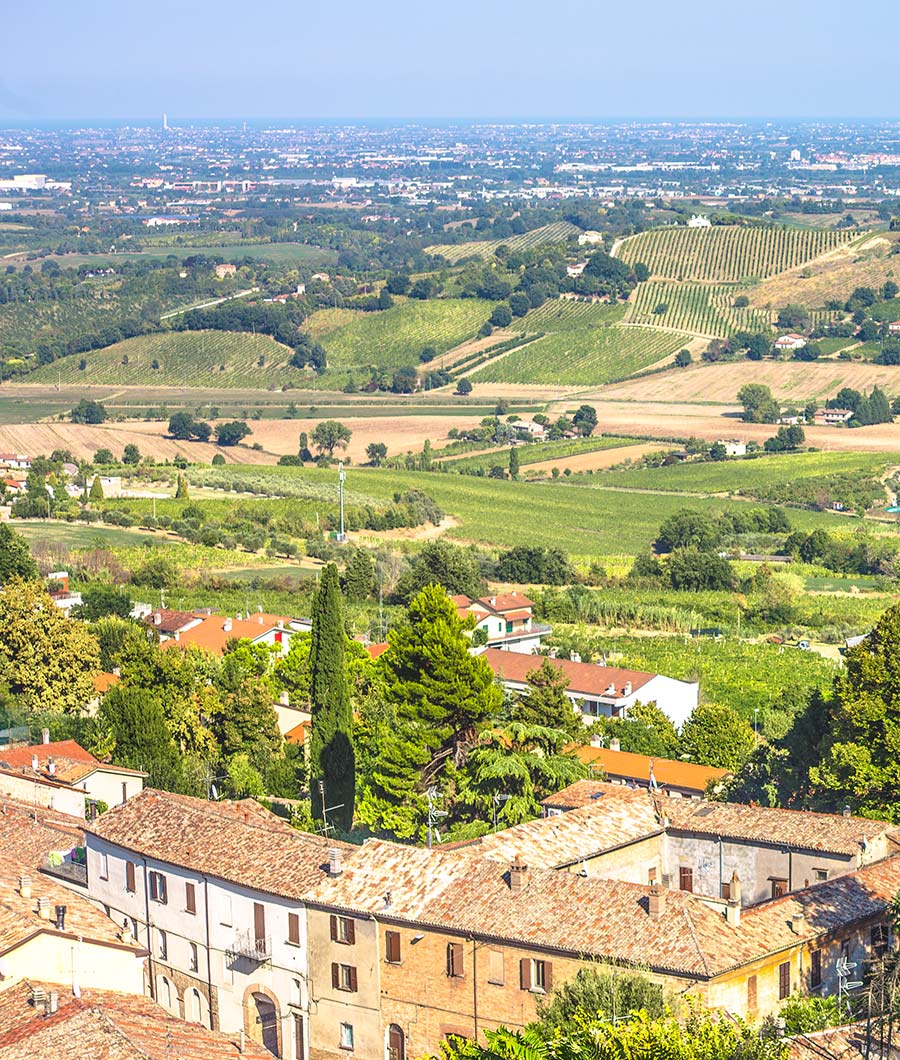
{"points": [[574, 60]]}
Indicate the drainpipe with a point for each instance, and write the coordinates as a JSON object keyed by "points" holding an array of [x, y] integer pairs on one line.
{"points": [[475, 987], [790, 870], [149, 933], [721, 867], [208, 955]]}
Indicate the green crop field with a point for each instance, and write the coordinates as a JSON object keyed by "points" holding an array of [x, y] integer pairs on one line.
{"points": [[727, 254], [538, 451], [702, 309], [277, 253], [557, 232], [603, 354], [568, 314], [184, 358], [395, 337], [501, 513]]}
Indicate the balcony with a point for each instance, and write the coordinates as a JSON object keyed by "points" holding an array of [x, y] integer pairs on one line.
{"points": [[72, 873], [247, 946]]}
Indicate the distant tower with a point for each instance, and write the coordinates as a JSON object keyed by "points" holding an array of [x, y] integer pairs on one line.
{"points": [[165, 122]]}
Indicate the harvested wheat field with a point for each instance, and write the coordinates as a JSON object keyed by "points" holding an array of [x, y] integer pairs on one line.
{"points": [[790, 381], [670, 420], [594, 461]]}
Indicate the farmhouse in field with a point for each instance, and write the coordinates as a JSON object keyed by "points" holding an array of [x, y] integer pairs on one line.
{"points": [[733, 446], [894, 327], [506, 620], [601, 691], [699, 221], [529, 428], [790, 342], [835, 417], [224, 270]]}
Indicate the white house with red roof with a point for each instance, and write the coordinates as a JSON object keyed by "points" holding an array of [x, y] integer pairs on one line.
{"points": [[790, 342], [506, 619], [601, 691]]}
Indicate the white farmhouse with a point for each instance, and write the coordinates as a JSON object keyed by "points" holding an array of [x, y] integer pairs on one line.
{"points": [[699, 221]]}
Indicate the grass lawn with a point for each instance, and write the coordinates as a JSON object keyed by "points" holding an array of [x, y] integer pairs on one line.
{"points": [[78, 536]]}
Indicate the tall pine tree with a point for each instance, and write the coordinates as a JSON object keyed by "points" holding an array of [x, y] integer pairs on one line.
{"points": [[331, 744]]}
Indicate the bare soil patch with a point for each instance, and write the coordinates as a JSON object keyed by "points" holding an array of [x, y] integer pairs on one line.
{"points": [[594, 461]]}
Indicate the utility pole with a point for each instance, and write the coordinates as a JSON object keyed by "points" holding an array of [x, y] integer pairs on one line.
{"points": [[342, 475]]}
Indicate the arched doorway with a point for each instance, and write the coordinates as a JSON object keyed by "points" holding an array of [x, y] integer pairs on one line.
{"points": [[396, 1043], [196, 1009], [264, 1023], [167, 994]]}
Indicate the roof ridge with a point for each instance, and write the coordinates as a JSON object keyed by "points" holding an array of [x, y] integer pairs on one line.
{"points": [[690, 923]]}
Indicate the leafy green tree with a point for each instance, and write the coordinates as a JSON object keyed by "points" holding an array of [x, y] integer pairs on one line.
{"points": [[645, 731], [377, 453], [96, 491], [181, 426], [131, 455], [806, 1015], [683, 358], [359, 577], [607, 993], [103, 456], [519, 303], [502, 316], [47, 660], [688, 528], [244, 780], [329, 435], [143, 740], [245, 721], [535, 563], [16, 560], [90, 412], [691, 570], [759, 405], [464, 387], [545, 702], [718, 452], [331, 744], [231, 433], [715, 735], [513, 462], [101, 600], [440, 563], [218, 460], [585, 420]]}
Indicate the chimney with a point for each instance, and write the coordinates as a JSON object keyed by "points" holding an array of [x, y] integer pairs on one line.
{"points": [[45, 736], [51, 767], [117, 672], [626, 691], [656, 901], [60, 918], [43, 908], [614, 744], [34, 763], [733, 912], [52, 1002], [797, 923], [284, 698], [25, 886], [335, 862], [127, 937], [227, 625], [157, 619], [177, 634], [518, 875], [735, 889], [39, 999]]}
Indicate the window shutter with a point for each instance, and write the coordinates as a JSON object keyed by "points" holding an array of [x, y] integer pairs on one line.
{"points": [[190, 898], [351, 932], [334, 929], [353, 980], [392, 946], [335, 977], [548, 976], [129, 876], [294, 928], [525, 973]]}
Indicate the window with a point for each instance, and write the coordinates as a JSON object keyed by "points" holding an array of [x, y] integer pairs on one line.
{"points": [[297, 993], [129, 877], [878, 938], [190, 898], [343, 930], [815, 969], [784, 980], [495, 967], [193, 957], [726, 891], [163, 944], [158, 887], [226, 915], [346, 1035], [299, 1049], [294, 929], [392, 947], [509, 627], [535, 975], [686, 879], [820, 874], [751, 993], [651, 874], [779, 887], [343, 977], [124, 792], [455, 960], [104, 867]]}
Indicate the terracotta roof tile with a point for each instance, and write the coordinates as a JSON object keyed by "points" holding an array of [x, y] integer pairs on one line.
{"points": [[166, 620], [104, 1025], [28, 833], [586, 678], [71, 761], [214, 632], [237, 841], [665, 770]]}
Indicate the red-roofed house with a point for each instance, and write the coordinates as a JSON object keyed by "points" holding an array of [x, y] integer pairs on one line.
{"points": [[506, 619], [686, 779], [601, 691], [212, 632], [790, 342]]}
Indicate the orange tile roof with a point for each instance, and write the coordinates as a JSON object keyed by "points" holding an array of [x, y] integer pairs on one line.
{"points": [[584, 678], [666, 771], [28, 833], [375, 650], [299, 734], [103, 682], [237, 841], [108, 1025], [71, 761], [212, 635]]}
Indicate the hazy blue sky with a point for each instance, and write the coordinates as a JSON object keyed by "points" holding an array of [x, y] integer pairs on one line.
{"points": [[465, 58]]}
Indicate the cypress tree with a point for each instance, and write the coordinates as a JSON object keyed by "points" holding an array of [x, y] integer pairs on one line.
{"points": [[181, 492], [96, 492], [514, 463], [331, 743]]}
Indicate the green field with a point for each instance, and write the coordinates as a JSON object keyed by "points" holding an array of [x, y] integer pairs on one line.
{"points": [[702, 309], [277, 253], [498, 513], [538, 451], [727, 254], [395, 337], [557, 232], [184, 358], [78, 536], [603, 354], [569, 314]]}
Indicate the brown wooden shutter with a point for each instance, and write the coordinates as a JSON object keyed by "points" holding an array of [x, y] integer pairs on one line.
{"points": [[351, 931], [353, 981], [294, 928], [335, 976], [392, 946], [190, 898], [259, 921], [334, 929], [129, 876], [525, 973], [548, 976]]}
